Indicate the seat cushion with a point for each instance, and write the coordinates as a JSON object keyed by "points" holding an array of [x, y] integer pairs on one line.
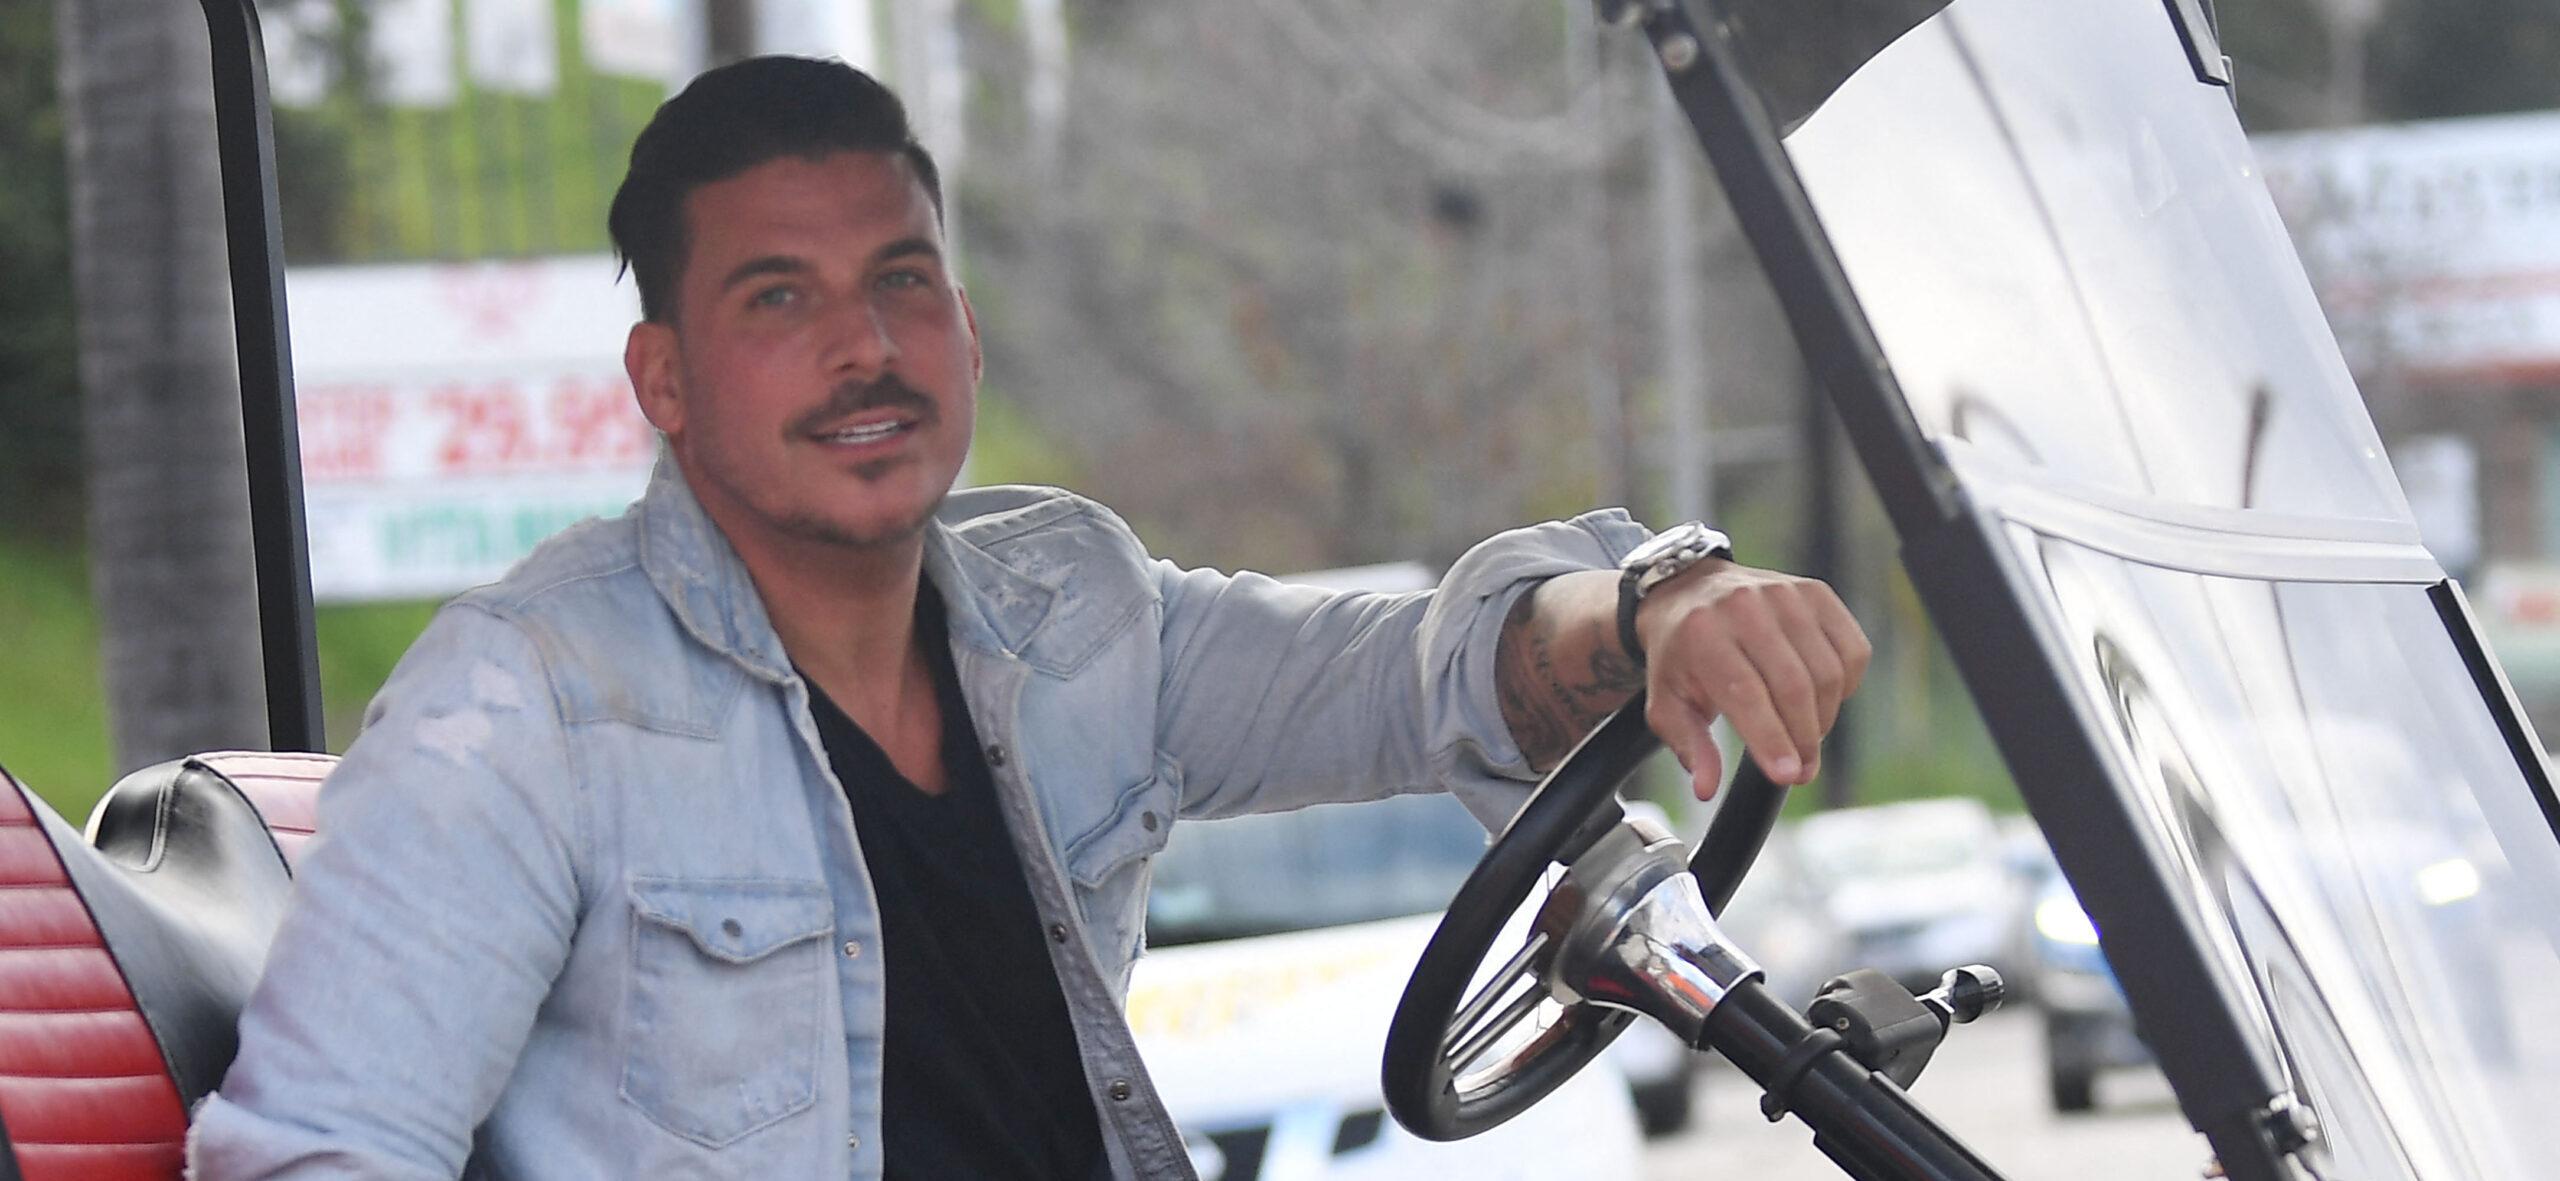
{"points": [[85, 1093], [284, 786], [188, 887]]}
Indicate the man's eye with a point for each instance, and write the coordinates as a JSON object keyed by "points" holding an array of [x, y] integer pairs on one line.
{"points": [[773, 297], [903, 280]]}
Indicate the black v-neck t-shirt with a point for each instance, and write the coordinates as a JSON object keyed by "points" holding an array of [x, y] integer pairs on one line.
{"points": [[981, 1080]]}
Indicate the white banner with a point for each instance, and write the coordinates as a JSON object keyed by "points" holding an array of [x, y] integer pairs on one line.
{"points": [[2435, 245], [412, 46], [298, 36], [637, 38], [454, 415], [820, 28], [511, 46], [377, 545]]}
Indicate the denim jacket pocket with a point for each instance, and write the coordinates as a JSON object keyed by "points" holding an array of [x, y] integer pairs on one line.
{"points": [[728, 987], [1109, 865], [1135, 827]]}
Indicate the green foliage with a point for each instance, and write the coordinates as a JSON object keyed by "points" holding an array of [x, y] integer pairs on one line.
{"points": [[1003, 16], [1010, 449], [493, 175], [1955, 759]]}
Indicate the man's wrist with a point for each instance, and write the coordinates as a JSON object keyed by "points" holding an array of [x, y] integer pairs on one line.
{"points": [[1664, 557]]}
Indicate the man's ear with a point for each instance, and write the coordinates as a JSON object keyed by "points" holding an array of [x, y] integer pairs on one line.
{"points": [[977, 355], [649, 357]]}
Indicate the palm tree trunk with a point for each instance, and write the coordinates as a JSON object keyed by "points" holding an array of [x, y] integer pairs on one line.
{"points": [[168, 517], [728, 30]]}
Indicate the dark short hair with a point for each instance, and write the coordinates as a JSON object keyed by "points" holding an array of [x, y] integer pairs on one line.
{"points": [[729, 120]]}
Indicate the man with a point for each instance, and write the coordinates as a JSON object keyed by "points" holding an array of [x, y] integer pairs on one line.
{"points": [[782, 828]]}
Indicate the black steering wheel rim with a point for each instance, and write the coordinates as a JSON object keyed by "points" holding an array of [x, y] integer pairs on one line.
{"points": [[1574, 806]]}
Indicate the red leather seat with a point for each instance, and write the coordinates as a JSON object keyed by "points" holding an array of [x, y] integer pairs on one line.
{"points": [[124, 957], [84, 1092], [285, 787]]}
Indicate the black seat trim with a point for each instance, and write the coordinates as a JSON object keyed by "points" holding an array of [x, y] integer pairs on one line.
{"points": [[187, 887]]}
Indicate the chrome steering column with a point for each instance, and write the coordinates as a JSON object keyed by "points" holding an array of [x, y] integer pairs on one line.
{"points": [[1632, 931]]}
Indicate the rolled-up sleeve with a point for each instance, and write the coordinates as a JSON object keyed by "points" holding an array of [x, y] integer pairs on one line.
{"points": [[1279, 696], [428, 920]]}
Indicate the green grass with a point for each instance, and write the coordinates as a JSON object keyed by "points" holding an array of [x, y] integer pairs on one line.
{"points": [[53, 727], [358, 645], [53, 715]]}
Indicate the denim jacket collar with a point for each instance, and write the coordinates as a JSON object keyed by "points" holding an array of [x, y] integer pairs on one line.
{"points": [[990, 605]]}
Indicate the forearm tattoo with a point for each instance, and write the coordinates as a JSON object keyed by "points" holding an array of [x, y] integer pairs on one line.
{"points": [[1557, 678]]}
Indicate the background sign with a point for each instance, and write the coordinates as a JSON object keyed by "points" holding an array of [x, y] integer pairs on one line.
{"points": [[454, 415], [2435, 245]]}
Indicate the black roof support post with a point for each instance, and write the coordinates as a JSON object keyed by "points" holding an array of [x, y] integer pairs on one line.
{"points": [[254, 229]]}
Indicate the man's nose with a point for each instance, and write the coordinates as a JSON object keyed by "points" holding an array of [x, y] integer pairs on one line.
{"points": [[862, 342]]}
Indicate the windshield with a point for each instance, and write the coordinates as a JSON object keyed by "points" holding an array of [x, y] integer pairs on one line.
{"points": [[2325, 779], [2100, 330], [2076, 268], [1319, 867]]}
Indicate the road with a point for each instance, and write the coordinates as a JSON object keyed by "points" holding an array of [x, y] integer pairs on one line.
{"points": [[1987, 1085]]}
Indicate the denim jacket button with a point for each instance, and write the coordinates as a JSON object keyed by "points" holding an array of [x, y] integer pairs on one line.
{"points": [[852, 948], [853, 1142], [995, 754], [1057, 932], [1119, 1089], [1147, 821]]}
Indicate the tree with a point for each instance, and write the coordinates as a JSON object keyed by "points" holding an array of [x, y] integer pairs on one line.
{"points": [[2321, 63], [1352, 257], [2438, 58], [39, 409], [168, 499], [728, 29]]}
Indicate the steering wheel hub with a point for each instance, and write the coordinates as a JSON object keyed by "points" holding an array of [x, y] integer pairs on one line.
{"points": [[1632, 932]]}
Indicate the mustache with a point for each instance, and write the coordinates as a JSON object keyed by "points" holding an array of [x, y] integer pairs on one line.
{"points": [[851, 398]]}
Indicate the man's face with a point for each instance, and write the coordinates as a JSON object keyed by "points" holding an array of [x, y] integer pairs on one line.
{"points": [[818, 382]]}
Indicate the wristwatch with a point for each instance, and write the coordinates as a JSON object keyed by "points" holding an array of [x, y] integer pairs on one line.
{"points": [[1647, 566]]}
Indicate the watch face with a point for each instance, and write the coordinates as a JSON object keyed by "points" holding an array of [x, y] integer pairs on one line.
{"points": [[1670, 552], [1666, 543]]}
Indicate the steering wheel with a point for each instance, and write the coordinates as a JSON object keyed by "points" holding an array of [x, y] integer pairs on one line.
{"points": [[1439, 1029]]}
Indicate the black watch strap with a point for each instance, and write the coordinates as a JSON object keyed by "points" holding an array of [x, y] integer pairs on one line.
{"points": [[1629, 595], [1656, 561]]}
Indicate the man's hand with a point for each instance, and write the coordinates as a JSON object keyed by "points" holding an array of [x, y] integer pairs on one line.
{"points": [[1774, 653]]}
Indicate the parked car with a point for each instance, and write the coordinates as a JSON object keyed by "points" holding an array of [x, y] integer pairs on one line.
{"points": [[2426, 889], [1279, 945], [1920, 886], [2087, 1027], [1780, 914]]}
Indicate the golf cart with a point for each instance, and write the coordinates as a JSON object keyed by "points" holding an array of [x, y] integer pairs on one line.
{"points": [[2024, 247]]}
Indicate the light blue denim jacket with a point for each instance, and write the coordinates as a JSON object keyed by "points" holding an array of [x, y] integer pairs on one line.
{"points": [[587, 901]]}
